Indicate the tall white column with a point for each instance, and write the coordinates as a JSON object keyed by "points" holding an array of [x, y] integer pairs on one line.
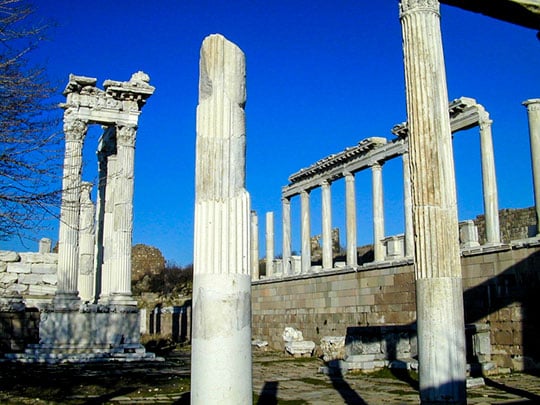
{"points": [[254, 255], [221, 345], [108, 239], [66, 297], [533, 111], [327, 253], [286, 227], [86, 244], [269, 244], [378, 212], [306, 231], [489, 181], [120, 293], [350, 209], [407, 209], [439, 291]]}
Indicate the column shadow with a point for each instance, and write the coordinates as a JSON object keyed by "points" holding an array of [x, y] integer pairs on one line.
{"points": [[511, 390], [350, 396], [268, 395]]}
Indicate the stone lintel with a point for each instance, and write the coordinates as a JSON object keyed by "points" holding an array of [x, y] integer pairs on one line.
{"points": [[338, 168]]}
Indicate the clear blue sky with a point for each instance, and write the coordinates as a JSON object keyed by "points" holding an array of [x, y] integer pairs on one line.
{"points": [[321, 76]]}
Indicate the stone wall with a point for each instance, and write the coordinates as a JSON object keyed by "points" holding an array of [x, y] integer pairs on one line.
{"points": [[32, 275], [500, 287], [515, 224]]}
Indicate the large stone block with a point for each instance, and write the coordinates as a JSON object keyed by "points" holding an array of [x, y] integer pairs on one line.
{"points": [[18, 267], [33, 258], [8, 278], [30, 279], [9, 256], [44, 268], [41, 289]]}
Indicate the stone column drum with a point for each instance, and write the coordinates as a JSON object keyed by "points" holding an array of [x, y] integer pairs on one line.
{"points": [[269, 244], [254, 245], [439, 292], [286, 242], [221, 345], [306, 231], [533, 110], [66, 297], [350, 208], [378, 213], [86, 244], [123, 216], [327, 253]]}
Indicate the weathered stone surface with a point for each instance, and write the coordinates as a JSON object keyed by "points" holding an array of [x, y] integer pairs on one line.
{"points": [[292, 335], [9, 256], [50, 279], [45, 289], [30, 279], [6, 277], [302, 348], [43, 268], [32, 258], [333, 347], [18, 267], [146, 260]]}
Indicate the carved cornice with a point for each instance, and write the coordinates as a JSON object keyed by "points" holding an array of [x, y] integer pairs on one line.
{"points": [[409, 6], [75, 130]]}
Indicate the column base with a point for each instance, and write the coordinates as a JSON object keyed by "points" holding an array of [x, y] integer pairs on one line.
{"points": [[66, 301], [123, 300]]}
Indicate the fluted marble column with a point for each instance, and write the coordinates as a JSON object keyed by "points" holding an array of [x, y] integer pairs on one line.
{"points": [[86, 244], [108, 237], [407, 202], [286, 225], [66, 297], [378, 212], [221, 346], [350, 209], [439, 292], [306, 231], [533, 111], [269, 244], [327, 254], [254, 235], [489, 181], [120, 293]]}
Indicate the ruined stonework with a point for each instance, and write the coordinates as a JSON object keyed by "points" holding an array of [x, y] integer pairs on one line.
{"points": [[221, 342], [146, 260]]}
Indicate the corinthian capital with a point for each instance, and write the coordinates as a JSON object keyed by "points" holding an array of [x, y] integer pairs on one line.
{"points": [[125, 135], [533, 104], [407, 6], [75, 130]]}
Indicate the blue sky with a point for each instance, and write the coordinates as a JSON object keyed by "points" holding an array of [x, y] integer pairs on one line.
{"points": [[321, 76]]}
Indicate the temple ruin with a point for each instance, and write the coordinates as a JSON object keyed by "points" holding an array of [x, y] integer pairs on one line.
{"points": [[93, 315]]}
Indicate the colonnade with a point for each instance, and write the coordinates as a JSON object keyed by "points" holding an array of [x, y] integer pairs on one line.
{"points": [[108, 274], [372, 153]]}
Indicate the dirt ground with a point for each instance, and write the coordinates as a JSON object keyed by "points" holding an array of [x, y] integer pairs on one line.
{"points": [[277, 379]]}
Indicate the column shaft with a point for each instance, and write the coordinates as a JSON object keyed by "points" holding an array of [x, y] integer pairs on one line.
{"points": [[254, 225], [221, 343], [269, 244], [350, 208], [306, 231], [108, 239], [327, 254], [123, 216], [378, 213], [439, 292], [533, 111], [86, 245], [66, 296], [407, 201], [489, 181], [286, 225]]}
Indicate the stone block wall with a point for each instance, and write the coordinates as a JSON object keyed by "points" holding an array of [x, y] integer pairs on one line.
{"points": [[500, 290], [515, 224], [32, 275]]}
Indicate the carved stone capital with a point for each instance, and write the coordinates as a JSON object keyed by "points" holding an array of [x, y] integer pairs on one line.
{"points": [[125, 135], [75, 130], [408, 6], [533, 104]]}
